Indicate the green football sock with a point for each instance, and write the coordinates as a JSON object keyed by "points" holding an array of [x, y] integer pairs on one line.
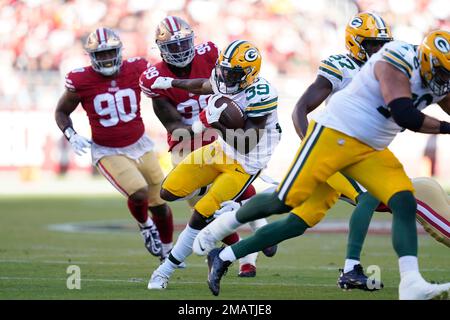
{"points": [[261, 206], [404, 231], [271, 234], [359, 224]]}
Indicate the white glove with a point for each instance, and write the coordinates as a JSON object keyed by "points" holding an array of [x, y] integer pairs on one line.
{"points": [[198, 127], [213, 113], [79, 144], [162, 83], [227, 206]]}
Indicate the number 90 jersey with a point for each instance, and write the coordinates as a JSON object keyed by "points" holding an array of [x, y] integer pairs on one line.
{"points": [[359, 109], [112, 103]]}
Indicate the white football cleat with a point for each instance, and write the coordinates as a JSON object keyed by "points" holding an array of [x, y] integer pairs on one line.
{"points": [[158, 281], [204, 242], [414, 287]]}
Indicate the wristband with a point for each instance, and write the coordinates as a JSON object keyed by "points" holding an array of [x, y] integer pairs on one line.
{"points": [[445, 127], [69, 132]]}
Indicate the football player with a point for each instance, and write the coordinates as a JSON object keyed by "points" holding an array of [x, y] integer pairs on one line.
{"points": [[228, 169], [108, 90], [179, 109], [365, 34], [351, 136]]}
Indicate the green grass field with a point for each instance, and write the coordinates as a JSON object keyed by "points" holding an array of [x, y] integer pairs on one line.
{"points": [[115, 265]]}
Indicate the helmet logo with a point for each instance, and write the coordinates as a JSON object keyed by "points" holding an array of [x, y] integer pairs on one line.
{"points": [[442, 44], [251, 55], [356, 23]]}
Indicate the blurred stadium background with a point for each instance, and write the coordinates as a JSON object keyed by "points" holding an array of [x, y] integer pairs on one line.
{"points": [[41, 40]]}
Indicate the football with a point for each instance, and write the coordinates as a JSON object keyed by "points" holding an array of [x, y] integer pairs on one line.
{"points": [[232, 117]]}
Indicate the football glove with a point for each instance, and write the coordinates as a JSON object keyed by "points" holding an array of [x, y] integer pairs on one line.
{"points": [[227, 206], [162, 83], [212, 113]]}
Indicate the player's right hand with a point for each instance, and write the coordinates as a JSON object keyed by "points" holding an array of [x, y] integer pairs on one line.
{"points": [[79, 144], [162, 83], [227, 206]]}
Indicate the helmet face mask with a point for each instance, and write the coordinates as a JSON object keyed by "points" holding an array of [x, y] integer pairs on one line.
{"points": [[105, 50], [434, 57], [175, 40], [440, 82], [228, 79], [372, 46], [178, 52]]}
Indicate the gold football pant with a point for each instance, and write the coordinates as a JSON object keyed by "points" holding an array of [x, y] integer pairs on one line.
{"points": [[323, 153], [128, 175], [204, 166]]}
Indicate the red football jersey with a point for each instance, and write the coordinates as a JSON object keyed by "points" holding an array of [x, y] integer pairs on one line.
{"points": [[112, 103], [189, 105]]}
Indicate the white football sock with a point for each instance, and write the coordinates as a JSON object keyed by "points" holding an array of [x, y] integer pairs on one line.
{"points": [[408, 265], [350, 264], [255, 225], [224, 225], [147, 223], [227, 255], [181, 250], [249, 259], [166, 247]]}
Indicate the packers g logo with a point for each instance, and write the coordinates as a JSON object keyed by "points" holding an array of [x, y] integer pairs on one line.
{"points": [[442, 44], [356, 23], [251, 55]]}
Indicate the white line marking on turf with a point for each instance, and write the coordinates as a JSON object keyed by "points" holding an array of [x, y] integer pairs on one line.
{"points": [[197, 265], [137, 280]]}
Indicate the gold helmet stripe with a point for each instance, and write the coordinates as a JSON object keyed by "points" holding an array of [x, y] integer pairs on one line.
{"points": [[231, 48]]}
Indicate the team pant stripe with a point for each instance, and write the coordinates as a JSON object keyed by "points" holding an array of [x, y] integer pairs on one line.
{"points": [[111, 179], [296, 159], [303, 156], [247, 184], [433, 218], [355, 184]]}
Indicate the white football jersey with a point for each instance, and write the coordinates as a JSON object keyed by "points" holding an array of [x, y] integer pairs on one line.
{"points": [[339, 69], [359, 109], [259, 99]]}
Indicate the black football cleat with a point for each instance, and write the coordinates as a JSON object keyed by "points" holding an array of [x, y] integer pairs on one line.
{"points": [[152, 241], [270, 251], [216, 269], [356, 279]]}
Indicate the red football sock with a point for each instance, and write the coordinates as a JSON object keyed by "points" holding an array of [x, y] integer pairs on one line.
{"points": [[248, 193], [231, 239], [139, 210], [163, 219]]}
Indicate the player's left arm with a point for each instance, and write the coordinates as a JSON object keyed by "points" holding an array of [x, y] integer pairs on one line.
{"points": [[316, 93], [197, 86], [396, 92], [445, 104]]}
